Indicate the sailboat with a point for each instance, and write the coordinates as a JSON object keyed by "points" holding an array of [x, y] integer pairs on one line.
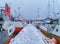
{"points": [[30, 35], [54, 27], [9, 27]]}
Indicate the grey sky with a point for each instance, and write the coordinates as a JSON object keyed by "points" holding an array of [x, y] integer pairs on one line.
{"points": [[29, 8]]}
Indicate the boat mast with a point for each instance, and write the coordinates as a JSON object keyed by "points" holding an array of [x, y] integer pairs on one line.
{"points": [[38, 12], [19, 14], [54, 15], [48, 8]]}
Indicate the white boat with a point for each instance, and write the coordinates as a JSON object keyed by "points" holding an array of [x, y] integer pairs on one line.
{"points": [[56, 30], [30, 35], [8, 27]]}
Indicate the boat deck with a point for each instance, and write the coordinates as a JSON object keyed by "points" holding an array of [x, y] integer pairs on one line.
{"points": [[51, 36]]}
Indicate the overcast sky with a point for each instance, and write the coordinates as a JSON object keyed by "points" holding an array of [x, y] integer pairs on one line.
{"points": [[29, 8]]}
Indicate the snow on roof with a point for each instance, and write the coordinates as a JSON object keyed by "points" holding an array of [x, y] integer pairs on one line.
{"points": [[29, 35]]}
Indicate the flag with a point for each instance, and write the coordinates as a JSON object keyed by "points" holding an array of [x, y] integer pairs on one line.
{"points": [[7, 11]]}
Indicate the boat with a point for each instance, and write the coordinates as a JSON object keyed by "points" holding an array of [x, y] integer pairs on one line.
{"points": [[52, 30], [30, 35], [51, 24], [7, 25], [17, 28]]}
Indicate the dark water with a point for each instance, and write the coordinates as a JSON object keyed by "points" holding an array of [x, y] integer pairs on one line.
{"points": [[3, 36]]}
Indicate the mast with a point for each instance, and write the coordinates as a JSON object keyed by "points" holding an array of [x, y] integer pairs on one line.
{"points": [[38, 12], [19, 14], [48, 8], [54, 5], [53, 9], [54, 15]]}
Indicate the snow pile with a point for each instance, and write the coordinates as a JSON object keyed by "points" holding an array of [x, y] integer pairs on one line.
{"points": [[29, 35]]}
